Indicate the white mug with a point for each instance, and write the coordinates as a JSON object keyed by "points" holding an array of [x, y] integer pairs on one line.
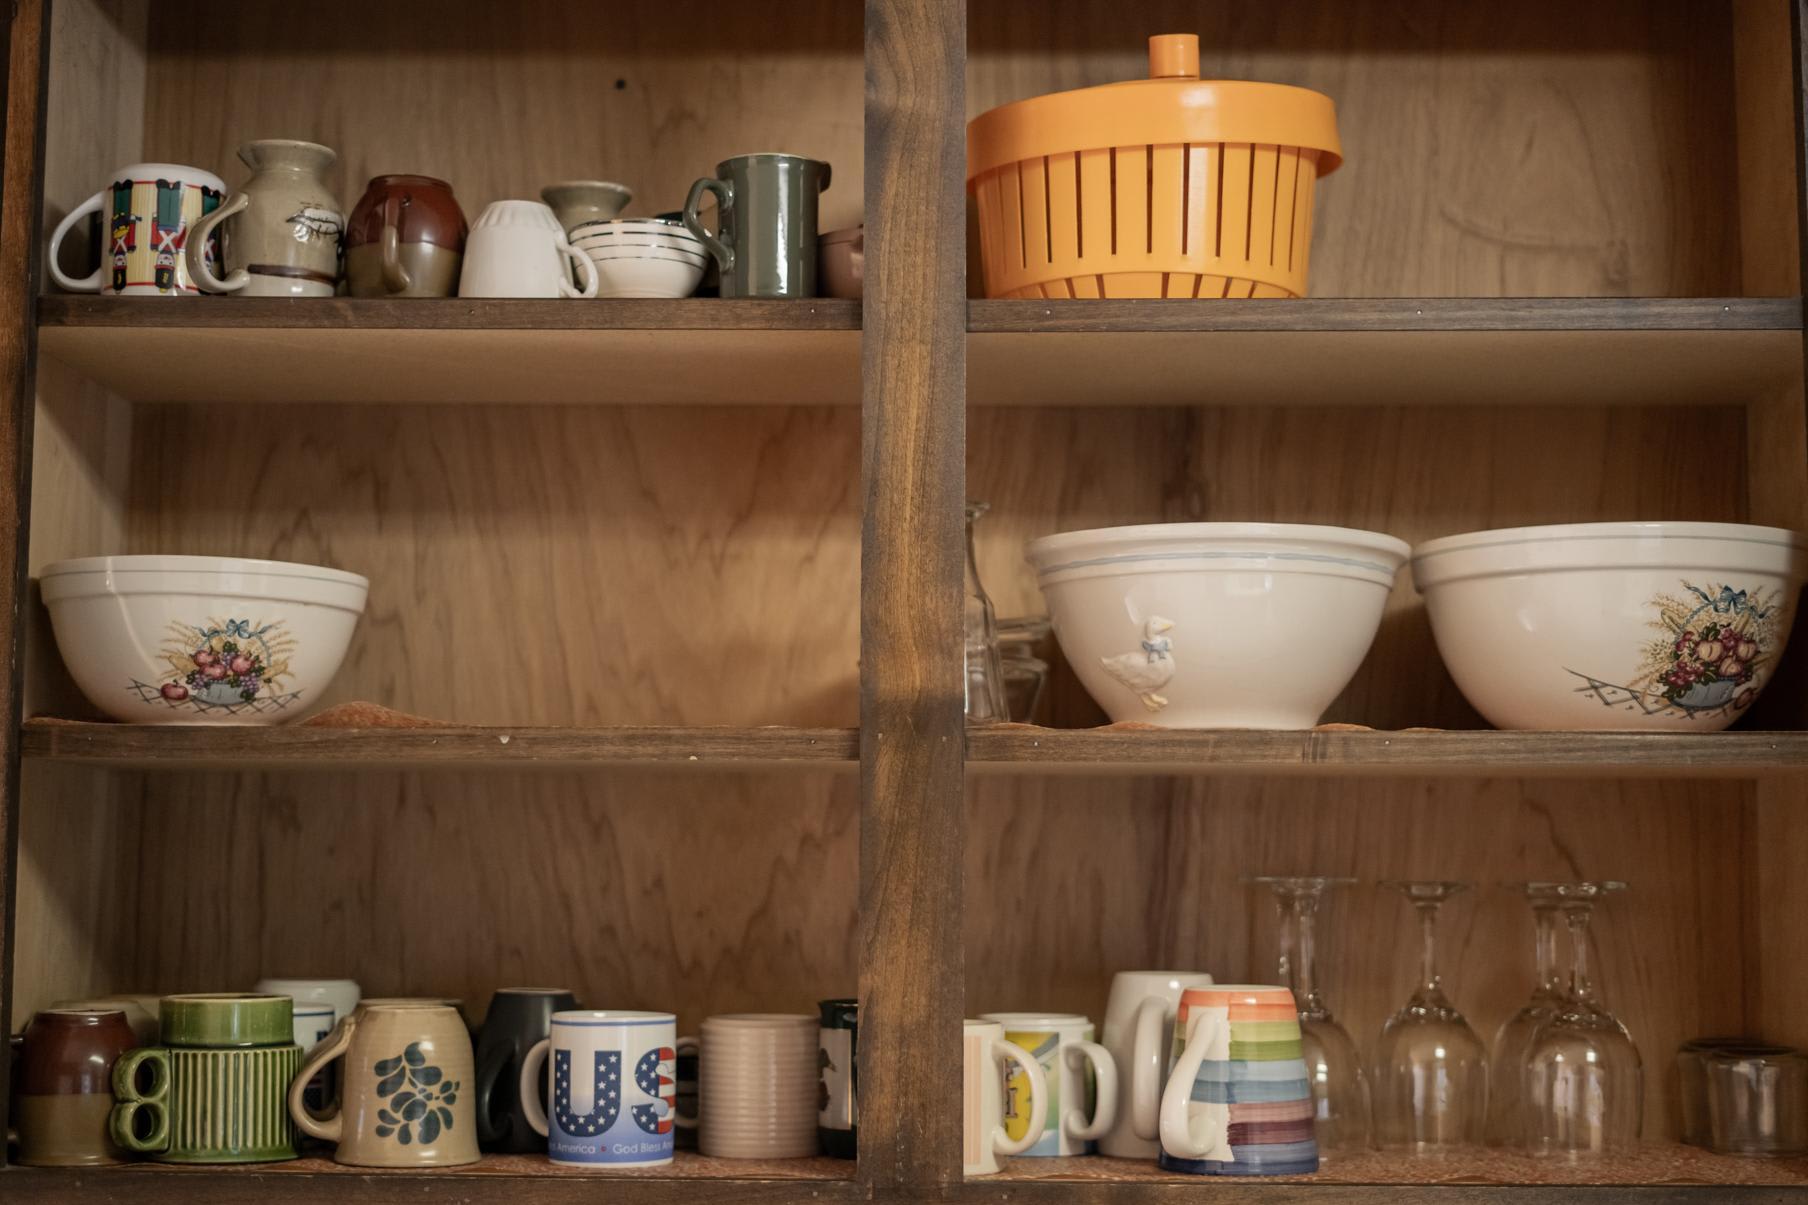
{"points": [[1062, 1043], [1139, 1034], [147, 211], [983, 1137], [341, 994], [518, 249], [612, 1092]]}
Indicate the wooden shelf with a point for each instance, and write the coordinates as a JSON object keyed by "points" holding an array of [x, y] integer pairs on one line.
{"points": [[1410, 351], [1007, 748], [526, 1178], [305, 747], [698, 350], [1682, 1172], [1026, 748]]}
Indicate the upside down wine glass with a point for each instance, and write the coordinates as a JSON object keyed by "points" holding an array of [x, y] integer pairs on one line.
{"points": [[1584, 1083], [1431, 1071], [1506, 1087], [1340, 1092]]}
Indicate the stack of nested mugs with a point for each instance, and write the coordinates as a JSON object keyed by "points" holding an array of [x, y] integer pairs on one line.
{"points": [[757, 1086]]}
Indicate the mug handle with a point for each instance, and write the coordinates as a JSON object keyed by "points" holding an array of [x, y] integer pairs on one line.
{"points": [[1145, 1070], [678, 1048], [395, 275], [1038, 1099], [131, 1100], [532, 1107], [586, 270], [489, 1070], [1178, 1137], [723, 253], [92, 283], [328, 1126], [1104, 1113], [196, 250]]}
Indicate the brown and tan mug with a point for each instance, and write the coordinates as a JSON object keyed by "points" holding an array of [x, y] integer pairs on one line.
{"points": [[64, 1080], [404, 1095]]}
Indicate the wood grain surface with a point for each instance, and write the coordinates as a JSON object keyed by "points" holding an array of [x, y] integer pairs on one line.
{"points": [[1545, 149], [501, 100], [1071, 879], [685, 890], [912, 683]]}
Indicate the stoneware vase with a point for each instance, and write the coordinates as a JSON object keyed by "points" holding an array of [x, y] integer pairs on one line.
{"points": [[283, 227], [405, 1097], [405, 238], [64, 1080], [214, 1092]]}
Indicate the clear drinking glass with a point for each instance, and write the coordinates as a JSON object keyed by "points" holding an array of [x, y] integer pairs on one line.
{"points": [[986, 702], [1758, 1102], [1583, 1083], [1025, 673], [1431, 1071], [1505, 1084], [1692, 1078], [1340, 1090]]}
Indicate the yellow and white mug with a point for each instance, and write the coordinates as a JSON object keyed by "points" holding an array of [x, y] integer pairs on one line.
{"points": [[147, 212], [1080, 1106], [985, 1059]]}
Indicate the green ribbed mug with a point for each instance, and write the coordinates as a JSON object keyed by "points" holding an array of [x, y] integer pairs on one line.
{"points": [[218, 1085]]}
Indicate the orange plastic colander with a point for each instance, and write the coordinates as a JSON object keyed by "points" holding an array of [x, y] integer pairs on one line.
{"points": [[1171, 186]]}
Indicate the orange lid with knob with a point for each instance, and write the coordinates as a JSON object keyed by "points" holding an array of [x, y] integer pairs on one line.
{"points": [[1172, 106]]}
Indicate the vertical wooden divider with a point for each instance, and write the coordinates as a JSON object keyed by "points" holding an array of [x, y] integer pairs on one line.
{"points": [[913, 451], [21, 201]]}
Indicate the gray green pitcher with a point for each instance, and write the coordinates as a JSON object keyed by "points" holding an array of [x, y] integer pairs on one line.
{"points": [[765, 244], [218, 1085]]}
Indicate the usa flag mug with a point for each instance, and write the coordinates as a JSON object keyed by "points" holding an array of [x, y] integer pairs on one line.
{"points": [[611, 1097]]}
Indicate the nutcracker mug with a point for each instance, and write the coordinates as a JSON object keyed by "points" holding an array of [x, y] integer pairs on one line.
{"points": [[1139, 1033], [985, 1055], [404, 1097], [611, 1098], [1238, 1102], [149, 209], [1081, 1103]]}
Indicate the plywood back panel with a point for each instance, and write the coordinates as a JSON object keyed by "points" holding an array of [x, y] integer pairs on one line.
{"points": [[1069, 880], [534, 565], [690, 891], [1535, 149], [501, 99]]}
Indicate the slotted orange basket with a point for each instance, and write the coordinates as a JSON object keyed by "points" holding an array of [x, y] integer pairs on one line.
{"points": [[1171, 186]]}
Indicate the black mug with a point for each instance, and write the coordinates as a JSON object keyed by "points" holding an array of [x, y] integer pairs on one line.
{"points": [[518, 1018], [838, 1086]]}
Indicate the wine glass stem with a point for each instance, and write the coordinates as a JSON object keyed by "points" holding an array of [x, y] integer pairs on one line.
{"points": [[1428, 944], [1578, 913], [1544, 921]]}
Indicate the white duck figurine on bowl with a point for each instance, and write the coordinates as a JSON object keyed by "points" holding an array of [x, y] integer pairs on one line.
{"points": [[1150, 670]]}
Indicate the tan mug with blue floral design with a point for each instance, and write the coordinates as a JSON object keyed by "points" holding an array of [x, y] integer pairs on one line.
{"points": [[404, 1097]]}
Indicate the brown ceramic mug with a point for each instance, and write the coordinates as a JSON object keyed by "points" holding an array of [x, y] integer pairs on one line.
{"points": [[405, 238], [64, 1079]]}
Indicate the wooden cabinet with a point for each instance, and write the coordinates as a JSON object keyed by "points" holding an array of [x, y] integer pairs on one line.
{"points": [[680, 579]]}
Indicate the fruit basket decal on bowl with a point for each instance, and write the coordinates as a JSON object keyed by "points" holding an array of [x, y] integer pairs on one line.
{"points": [[1708, 659], [227, 666]]}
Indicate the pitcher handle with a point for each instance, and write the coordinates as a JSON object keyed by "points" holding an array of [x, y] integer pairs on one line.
{"points": [[196, 251], [1146, 1059], [93, 282], [723, 253]]}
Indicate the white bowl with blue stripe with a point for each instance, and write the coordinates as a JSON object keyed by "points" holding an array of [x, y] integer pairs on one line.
{"points": [[1216, 625]]}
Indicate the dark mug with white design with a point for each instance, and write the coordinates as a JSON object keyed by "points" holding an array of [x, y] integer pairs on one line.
{"points": [[611, 1098], [404, 1098]]}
